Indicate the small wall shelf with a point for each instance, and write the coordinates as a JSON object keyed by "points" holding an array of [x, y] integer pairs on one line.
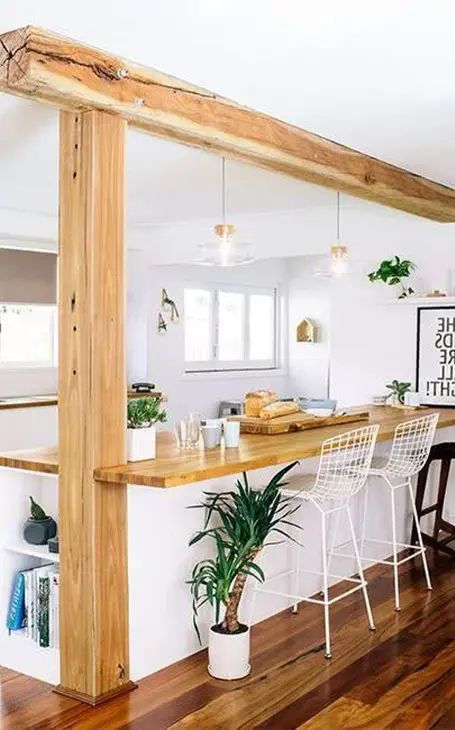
{"points": [[426, 301], [306, 331], [34, 551]]}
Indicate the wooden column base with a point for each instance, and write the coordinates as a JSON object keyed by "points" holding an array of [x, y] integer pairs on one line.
{"points": [[99, 699]]}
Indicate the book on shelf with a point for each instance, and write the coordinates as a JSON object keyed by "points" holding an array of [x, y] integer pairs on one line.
{"points": [[16, 609], [34, 604]]}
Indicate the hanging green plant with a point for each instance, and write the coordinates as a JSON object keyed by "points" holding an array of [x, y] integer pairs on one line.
{"points": [[392, 272]]}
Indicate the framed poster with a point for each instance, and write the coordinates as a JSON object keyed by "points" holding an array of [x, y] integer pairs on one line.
{"points": [[435, 372]]}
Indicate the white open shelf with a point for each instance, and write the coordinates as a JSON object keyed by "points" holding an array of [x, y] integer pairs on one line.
{"points": [[34, 551], [18, 652]]}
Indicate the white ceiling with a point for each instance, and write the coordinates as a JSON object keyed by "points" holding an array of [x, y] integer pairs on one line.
{"points": [[376, 76]]}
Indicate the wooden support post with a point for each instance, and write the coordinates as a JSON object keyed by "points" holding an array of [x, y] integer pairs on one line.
{"points": [[92, 407]]}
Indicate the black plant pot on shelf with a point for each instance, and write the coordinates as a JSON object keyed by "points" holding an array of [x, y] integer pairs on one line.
{"points": [[38, 532]]}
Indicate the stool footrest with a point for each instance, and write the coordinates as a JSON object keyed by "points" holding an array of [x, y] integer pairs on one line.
{"points": [[359, 584], [417, 550]]}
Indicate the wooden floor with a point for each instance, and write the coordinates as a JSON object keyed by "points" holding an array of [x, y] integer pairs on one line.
{"points": [[402, 676]]}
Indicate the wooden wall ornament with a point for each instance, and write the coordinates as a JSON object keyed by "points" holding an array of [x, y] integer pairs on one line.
{"points": [[92, 390], [43, 65], [306, 331]]}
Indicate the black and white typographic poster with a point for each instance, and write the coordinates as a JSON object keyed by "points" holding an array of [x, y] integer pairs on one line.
{"points": [[436, 355]]}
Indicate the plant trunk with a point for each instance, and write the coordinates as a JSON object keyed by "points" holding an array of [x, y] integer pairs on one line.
{"points": [[231, 619]]}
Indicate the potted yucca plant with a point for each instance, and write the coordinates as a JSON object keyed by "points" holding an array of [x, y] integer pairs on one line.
{"points": [[245, 519], [142, 415]]}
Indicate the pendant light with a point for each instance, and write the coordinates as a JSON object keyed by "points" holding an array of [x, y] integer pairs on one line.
{"points": [[337, 264], [225, 250], [338, 252]]}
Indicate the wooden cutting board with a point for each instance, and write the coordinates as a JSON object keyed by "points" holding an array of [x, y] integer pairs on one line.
{"points": [[294, 422]]}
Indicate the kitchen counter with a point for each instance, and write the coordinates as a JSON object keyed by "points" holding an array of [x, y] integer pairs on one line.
{"points": [[28, 401], [173, 467], [33, 401]]}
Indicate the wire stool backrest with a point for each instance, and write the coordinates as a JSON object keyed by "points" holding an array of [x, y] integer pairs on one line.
{"points": [[345, 462], [411, 445]]}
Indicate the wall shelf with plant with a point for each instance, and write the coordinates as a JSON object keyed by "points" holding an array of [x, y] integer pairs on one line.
{"points": [[395, 272]]}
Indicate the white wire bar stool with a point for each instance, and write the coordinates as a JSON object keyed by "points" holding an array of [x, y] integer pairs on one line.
{"points": [[344, 464], [410, 450]]}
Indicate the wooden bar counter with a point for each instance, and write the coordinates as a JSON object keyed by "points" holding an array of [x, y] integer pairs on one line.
{"points": [[173, 467]]}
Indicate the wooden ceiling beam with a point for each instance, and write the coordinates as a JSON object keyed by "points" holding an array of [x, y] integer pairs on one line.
{"points": [[40, 64]]}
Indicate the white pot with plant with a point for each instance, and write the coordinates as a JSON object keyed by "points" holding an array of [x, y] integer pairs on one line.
{"points": [[142, 415], [246, 518]]}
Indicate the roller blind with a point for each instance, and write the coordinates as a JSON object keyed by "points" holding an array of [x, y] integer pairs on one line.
{"points": [[28, 277]]}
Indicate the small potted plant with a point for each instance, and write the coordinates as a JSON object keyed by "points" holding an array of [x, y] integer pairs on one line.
{"points": [[392, 272], [142, 415], [247, 517], [398, 390], [39, 527]]}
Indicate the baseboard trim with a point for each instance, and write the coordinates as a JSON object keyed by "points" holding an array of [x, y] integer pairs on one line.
{"points": [[98, 699]]}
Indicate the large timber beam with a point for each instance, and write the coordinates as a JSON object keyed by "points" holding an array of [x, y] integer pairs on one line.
{"points": [[42, 65], [92, 407]]}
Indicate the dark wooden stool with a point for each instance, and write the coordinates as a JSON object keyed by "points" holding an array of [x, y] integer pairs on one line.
{"points": [[443, 453]]}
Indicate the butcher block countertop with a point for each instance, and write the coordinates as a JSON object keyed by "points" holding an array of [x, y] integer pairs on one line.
{"points": [[34, 401], [173, 468]]}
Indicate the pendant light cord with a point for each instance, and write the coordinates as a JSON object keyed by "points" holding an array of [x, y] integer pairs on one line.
{"points": [[223, 188], [338, 216]]}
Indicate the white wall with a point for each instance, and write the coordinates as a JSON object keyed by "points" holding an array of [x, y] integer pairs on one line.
{"points": [[308, 297], [162, 360]]}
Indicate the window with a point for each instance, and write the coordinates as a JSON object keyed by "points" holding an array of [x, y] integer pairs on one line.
{"points": [[230, 328], [27, 335]]}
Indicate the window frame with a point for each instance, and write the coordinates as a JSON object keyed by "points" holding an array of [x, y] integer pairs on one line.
{"points": [[33, 364], [214, 365]]}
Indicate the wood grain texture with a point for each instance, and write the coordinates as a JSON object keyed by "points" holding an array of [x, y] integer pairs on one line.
{"points": [[401, 676], [92, 404], [294, 422], [173, 467], [44, 460], [35, 62]]}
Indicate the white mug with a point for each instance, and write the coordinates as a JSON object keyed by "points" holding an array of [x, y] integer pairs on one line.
{"points": [[411, 398], [211, 436], [231, 434]]}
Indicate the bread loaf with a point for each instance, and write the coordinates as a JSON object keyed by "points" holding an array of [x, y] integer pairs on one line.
{"points": [[257, 399], [279, 408]]}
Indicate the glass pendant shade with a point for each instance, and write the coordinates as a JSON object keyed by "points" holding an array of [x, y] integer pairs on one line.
{"points": [[339, 263], [225, 250], [336, 264]]}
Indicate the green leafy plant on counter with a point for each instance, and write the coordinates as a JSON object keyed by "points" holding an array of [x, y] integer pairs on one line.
{"points": [[245, 520], [392, 272], [398, 389], [144, 412], [36, 511]]}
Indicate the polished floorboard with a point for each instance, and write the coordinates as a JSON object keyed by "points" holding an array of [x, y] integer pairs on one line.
{"points": [[401, 676]]}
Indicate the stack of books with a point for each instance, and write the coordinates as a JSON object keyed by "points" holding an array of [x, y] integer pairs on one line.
{"points": [[34, 603]]}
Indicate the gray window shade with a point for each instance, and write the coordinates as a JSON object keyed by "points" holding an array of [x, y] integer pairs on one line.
{"points": [[28, 277]]}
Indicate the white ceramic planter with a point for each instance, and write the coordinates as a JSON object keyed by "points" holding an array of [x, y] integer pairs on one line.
{"points": [[229, 655], [141, 443]]}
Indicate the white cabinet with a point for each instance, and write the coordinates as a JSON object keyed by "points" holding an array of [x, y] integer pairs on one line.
{"points": [[28, 428]]}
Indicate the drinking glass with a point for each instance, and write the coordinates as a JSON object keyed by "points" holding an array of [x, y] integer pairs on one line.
{"points": [[188, 431], [194, 429], [181, 429]]}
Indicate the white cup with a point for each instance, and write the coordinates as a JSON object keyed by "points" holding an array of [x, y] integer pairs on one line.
{"points": [[412, 398], [211, 436], [231, 434], [212, 422]]}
